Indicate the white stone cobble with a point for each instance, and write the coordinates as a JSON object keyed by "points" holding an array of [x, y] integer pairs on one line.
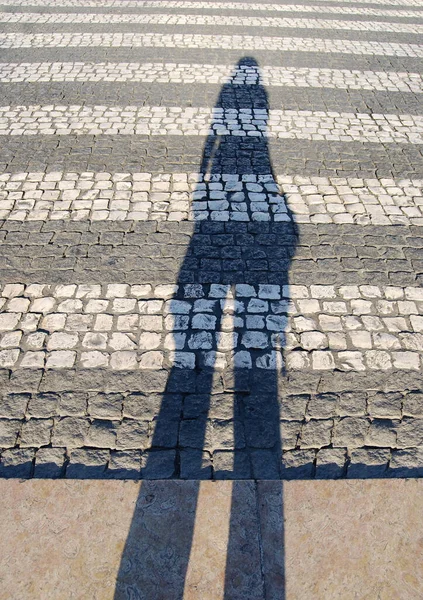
{"points": [[196, 121], [268, 76], [200, 41], [193, 196], [222, 6], [122, 327], [215, 20]]}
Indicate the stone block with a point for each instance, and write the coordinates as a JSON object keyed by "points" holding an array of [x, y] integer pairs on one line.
{"points": [[132, 434], [316, 433], [265, 464], [413, 404], [406, 463], [298, 464], [321, 406], [124, 465], [293, 406], [50, 462], [410, 433], [70, 431], [9, 429], [352, 404], [72, 404], [290, 434], [350, 432], [158, 464], [196, 433], [43, 405], [229, 464], [101, 434], [368, 463], [13, 406], [36, 433], [331, 463], [228, 435], [195, 464], [383, 433], [87, 464], [103, 405], [16, 462]]}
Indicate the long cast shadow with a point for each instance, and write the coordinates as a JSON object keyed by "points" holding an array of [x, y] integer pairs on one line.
{"points": [[238, 213]]}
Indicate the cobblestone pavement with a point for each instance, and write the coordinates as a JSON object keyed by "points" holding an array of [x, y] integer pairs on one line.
{"points": [[211, 228]]}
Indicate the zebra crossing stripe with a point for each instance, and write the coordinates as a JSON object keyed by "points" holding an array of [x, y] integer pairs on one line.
{"points": [[219, 197], [210, 20], [199, 121], [183, 73], [128, 327], [219, 5], [222, 6], [201, 41]]}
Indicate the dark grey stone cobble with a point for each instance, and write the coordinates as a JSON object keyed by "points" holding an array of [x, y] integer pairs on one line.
{"points": [[217, 56], [167, 155], [197, 94], [207, 252], [173, 429]]}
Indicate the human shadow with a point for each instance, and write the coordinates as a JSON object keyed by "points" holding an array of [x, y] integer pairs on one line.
{"points": [[219, 416]]}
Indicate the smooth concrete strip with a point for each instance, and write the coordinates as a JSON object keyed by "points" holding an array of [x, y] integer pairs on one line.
{"points": [[211, 540]]}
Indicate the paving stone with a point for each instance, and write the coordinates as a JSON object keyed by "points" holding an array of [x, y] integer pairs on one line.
{"points": [[124, 465], [14, 405], [105, 405], [298, 464], [322, 406], [70, 432], [410, 433], [72, 404], [49, 462], [159, 464], [368, 462], [350, 432], [87, 464], [383, 433], [16, 462], [385, 405], [331, 463], [195, 464], [132, 434], [413, 404], [36, 433], [9, 430], [406, 463], [231, 465]]}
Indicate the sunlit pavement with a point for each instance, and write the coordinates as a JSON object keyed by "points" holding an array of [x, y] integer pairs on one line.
{"points": [[344, 539]]}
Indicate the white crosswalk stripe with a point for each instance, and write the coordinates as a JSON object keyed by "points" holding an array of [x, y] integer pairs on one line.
{"points": [[201, 41], [190, 196], [253, 6], [150, 120], [127, 327], [211, 74], [211, 20]]}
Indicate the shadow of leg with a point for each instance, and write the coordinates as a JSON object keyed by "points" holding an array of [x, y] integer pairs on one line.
{"points": [[255, 556], [156, 555]]}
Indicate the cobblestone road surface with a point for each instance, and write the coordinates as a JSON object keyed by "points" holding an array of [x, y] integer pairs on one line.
{"points": [[211, 239]]}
